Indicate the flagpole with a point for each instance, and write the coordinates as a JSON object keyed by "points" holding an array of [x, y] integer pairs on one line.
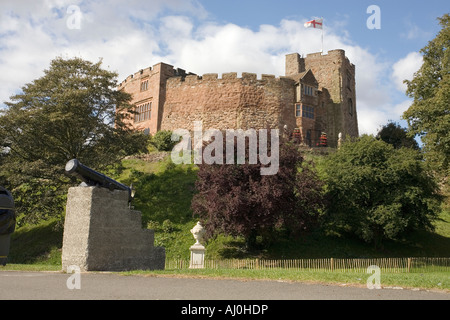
{"points": [[322, 34]]}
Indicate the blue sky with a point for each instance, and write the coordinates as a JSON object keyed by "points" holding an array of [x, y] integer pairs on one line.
{"points": [[207, 36]]}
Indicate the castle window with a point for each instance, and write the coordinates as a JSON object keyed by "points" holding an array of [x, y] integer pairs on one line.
{"points": [[143, 112], [298, 110], [350, 106], [144, 85], [308, 90], [308, 112], [349, 80], [304, 111]]}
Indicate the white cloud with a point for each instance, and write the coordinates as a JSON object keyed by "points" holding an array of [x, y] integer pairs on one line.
{"points": [[131, 35], [400, 108], [32, 33], [405, 68], [370, 119]]}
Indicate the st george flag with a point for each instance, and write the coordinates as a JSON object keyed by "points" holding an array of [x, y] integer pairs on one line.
{"points": [[317, 24]]}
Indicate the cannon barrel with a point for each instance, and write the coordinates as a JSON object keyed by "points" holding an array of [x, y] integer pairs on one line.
{"points": [[94, 178]]}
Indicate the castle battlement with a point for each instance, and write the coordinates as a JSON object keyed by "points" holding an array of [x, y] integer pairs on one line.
{"points": [[332, 54], [246, 77], [140, 73], [161, 67]]}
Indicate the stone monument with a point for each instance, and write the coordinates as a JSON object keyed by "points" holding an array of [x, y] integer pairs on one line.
{"points": [[197, 249], [101, 232]]}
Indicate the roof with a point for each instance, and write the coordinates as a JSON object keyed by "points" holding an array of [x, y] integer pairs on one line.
{"points": [[306, 77]]}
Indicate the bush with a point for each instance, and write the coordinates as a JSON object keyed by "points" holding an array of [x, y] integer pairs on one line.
{"points": [[162, 140], [168, 226], [377, 192]]}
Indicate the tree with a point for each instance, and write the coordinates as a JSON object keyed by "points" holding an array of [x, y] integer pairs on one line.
{"points": [[237, 200], [377, 192], [397, 136], [429, 114], [69, 112]]}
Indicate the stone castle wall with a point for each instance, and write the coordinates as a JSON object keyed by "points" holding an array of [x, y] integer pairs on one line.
{"points": [[229, 102]]}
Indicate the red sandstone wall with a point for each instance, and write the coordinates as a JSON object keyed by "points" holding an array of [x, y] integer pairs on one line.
{"points": [[155, 93], [229, 102]]}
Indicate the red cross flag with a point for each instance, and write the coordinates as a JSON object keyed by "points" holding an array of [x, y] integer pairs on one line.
{"points": [[317, 23]]}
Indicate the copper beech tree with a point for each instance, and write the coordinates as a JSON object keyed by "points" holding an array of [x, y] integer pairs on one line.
{"points": [[236, 200]]}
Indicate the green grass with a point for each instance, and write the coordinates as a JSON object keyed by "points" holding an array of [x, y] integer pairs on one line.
{"points": [[31, 267], [442, 224], [40, 245], [429, 280], [163, 195]]}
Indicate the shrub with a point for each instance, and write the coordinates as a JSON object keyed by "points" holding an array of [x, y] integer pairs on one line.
{"points": [[377, 192], [162, 140]]}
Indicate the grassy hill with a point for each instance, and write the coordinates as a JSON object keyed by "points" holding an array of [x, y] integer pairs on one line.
{"points": [[163, 195]]}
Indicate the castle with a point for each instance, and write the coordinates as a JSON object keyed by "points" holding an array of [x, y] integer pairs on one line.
{"points": [[315, 99]]}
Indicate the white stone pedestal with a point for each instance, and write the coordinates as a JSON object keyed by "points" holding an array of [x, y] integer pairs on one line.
{"points": [[197, 250], [197, 256]]}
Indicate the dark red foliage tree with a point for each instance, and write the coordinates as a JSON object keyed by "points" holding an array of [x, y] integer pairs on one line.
{"points": [[235, 199]]}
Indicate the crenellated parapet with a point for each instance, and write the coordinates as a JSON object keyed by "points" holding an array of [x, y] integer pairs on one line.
{"points": [[160, 68], [245, 78]]}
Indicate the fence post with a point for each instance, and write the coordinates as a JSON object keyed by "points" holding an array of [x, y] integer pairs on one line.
{"points": [[332, 264], [409, 265]]}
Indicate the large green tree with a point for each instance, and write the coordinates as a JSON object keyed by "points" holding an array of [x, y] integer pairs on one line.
{"points": [[397, 136], [69, 112], [429, 115], [377, 192]]}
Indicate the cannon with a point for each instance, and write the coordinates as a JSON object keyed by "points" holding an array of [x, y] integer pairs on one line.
{"points": [[7, 223], [93, 178]]}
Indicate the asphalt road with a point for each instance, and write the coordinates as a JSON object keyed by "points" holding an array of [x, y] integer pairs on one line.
{"points": [[110, 286]]}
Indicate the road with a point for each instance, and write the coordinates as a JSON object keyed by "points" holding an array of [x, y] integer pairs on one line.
{"points": [[107, 286]]}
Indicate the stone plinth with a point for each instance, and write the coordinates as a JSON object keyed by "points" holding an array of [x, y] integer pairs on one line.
{"points": [[102, 234], [197, 256]]}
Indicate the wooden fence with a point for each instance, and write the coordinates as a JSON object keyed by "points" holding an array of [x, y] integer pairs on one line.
{"points": [[395, 265]]}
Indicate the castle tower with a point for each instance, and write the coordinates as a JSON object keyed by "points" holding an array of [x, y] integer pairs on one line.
{"points": [[335, 110], [148, 88]]}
